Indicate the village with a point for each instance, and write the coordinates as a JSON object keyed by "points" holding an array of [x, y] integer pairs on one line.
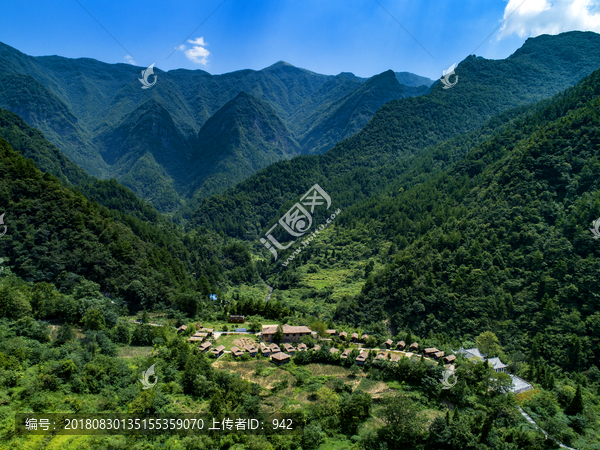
{"points": [[280, 349]]}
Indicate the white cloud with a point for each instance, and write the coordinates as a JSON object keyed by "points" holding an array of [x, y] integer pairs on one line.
{"points": [[129, 59], [535, 17], [197, 54]]}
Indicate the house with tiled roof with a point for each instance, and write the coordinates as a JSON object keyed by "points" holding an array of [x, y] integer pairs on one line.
{"points": [[471, 353], [497, 365]]}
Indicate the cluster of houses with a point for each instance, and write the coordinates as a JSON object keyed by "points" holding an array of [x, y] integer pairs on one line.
{"points": [[282, 354]]}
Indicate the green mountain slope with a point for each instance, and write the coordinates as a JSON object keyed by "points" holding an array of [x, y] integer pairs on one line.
{"points": [[499, 241], [57, 235], [239, 139], [97, 114], [410, 79], [348, 115], [371, 160], [32, 144], [41, 108]]}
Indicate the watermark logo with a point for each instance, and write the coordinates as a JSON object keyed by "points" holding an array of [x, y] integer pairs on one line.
{"points": [[446, 77], [595, 231], [146, 380], [2, 223], [145, 75], [447, 374], [298, 220]]}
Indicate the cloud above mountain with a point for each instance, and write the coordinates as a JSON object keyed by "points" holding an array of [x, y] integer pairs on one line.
{"points": [[198, 54], [535, 17]]}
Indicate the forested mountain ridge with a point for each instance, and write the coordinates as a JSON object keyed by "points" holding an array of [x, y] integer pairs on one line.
{"points": [[498, 241], [58, 236], [99, 116], [32, 144], [401, 129]]}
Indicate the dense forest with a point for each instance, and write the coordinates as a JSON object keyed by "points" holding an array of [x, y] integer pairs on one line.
{"points": [[464, 221]]}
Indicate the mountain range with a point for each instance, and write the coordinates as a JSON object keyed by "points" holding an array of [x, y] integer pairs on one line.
{"points": [[193, 133]]}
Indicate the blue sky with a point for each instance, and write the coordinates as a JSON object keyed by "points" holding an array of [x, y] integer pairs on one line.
{"points": [[325, 36]]}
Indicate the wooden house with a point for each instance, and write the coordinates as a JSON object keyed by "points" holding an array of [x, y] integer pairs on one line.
{"points": [[280, 358], [236, 351], [218, 351]]}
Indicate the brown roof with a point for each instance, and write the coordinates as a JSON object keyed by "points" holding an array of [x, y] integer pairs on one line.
{"points": [[414, 345], [401, 344], [218, 349], [195, 338], [289, 347], [439, 354], [330, 331], [206, 345], [182, 327], [316, 348], [343, 334], [365, 336], [345, 353], [354, 336], [280, 356], [450, 358], [250, 348], [287, 329], [389, 342], [333, 350], [274, 347], [431, 350], [395, 357], [236, 351], [362, 356], [301, 346], [266, 350]]}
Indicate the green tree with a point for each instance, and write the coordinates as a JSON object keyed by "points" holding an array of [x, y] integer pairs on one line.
{"points": [[404, 423], [278, 335], [93, 319], [354, 409], [576, 405], [65, 334], [488, 344]]}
